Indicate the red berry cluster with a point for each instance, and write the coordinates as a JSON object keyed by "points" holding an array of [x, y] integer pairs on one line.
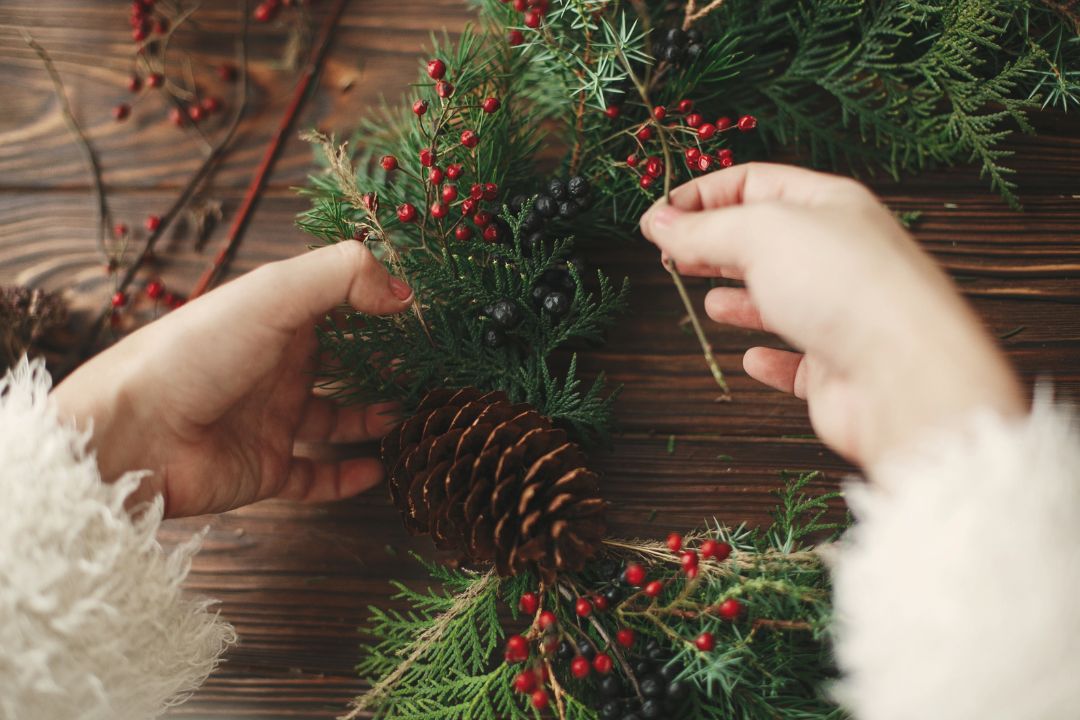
{"points": [[532, 17], [690, 137], [440, 182], [267, 10]]}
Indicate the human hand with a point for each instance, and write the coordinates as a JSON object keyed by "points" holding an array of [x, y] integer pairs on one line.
{"points": [[213, 396], [887, 347]]}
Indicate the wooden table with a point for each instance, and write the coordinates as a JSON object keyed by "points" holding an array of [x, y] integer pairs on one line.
{"points": [[296, 581]]}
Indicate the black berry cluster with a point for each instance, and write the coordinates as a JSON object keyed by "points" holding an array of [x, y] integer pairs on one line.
{"points": [[504, 315], [559, 200], [680, 47]]}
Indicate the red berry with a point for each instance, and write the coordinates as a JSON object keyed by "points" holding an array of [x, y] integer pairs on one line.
{"points": [[517, 649], [547, 620], [520, 5], [516, 38], [706, 131], [634, 575], [121, 112], [659, 112], [525, 682], [449, 193], [227, 72], [490, 105], [120, 230], [406, 212], [420, 107], [747, 123], [195, 112], [161, 26], [482, 219], [155, 289], [613, 111], [625, 637], [439, 210], [674, 542], [119, 299], [436, 69], [389, 162], [716, 550], [654, 167], [644, 134], [211, 104], [153, 222], [491, 191], [139, 33], [435, 175], [602, 663], [539, 700], [704, 163], [470, 139], [583, 607], [600, 603], [646, 181], [468, 207], [694, 120], [155, 80], [632, 160], [529, 603], [654, 588], [705, 642], [689, 560], [686, 106], [134, 83], [724, 123], [491, 233], [455, 171], [727, 161], [427, 157], [533, 18], [476, 192], [463, 232], [730, 609], [580, 668], [723, 153], [444, 89], [176, 117], [174, 301], [692, 154], [264, 12]]}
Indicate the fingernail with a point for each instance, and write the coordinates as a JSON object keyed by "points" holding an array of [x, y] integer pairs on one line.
{"points": [[399, 289]]}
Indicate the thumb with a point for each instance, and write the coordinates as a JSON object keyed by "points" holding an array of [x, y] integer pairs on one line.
{"points": [[703, 238], [288, 294]]}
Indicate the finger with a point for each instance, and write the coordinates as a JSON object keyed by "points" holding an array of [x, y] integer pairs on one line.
{"points": [[733, 306], [316, 481], [292, 293], [752, 183], [705, 240], [779, 369], [325, 420], [729, 272]]}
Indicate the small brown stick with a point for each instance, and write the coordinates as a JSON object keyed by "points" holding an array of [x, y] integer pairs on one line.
{"points": [[793, 625], [83, 348], [693, 15], [212, 273], [104, 219]]}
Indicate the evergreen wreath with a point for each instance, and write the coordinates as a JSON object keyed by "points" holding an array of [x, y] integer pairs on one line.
{"points": [[615, 102]]}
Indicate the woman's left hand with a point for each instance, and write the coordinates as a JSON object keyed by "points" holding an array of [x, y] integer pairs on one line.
{"points": [[213, 397]]}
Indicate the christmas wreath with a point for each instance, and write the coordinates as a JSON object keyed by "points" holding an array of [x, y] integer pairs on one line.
{"points": [[556, 122]]}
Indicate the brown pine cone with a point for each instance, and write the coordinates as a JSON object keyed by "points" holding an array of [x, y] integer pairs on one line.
{"points": [[496, 482]]}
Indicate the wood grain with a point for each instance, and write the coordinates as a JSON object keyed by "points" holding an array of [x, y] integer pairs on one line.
{"points": [[296, 581]]}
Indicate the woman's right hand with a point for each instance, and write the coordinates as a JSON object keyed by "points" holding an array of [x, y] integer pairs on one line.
{"points": [[887, 348]]}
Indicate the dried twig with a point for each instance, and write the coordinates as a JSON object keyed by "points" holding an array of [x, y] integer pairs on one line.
{"points": [[104, 219], [214, 272]]}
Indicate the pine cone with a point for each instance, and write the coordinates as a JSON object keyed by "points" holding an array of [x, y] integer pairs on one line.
{"points": [[495, 481]]}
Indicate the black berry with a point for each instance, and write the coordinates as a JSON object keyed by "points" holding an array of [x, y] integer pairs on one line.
{"points": [[545, 206], [516, 203], [613, 595], [610, 686], [656, 653], [652, 709], [585, 649], [539, 292], [670, 671], [678, 690], [565, 651], [494, 338], [643, 668], [567, 209], [556, 304], [557, 189], [505, 313], [611, 710], [653, 686], [579, 187]]}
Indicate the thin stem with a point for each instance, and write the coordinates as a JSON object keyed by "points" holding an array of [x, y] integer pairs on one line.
{"points": [[101, 201], [695, 321]]}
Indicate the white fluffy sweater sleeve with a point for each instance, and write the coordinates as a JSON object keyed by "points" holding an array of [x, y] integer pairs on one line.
{"points": [[957, 592], [93, 622]]}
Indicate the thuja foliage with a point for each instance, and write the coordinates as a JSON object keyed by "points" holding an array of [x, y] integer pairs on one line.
{"points": [[444, 657]]}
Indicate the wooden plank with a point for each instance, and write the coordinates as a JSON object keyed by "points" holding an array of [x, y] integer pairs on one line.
{"points": [[296, 580]]}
